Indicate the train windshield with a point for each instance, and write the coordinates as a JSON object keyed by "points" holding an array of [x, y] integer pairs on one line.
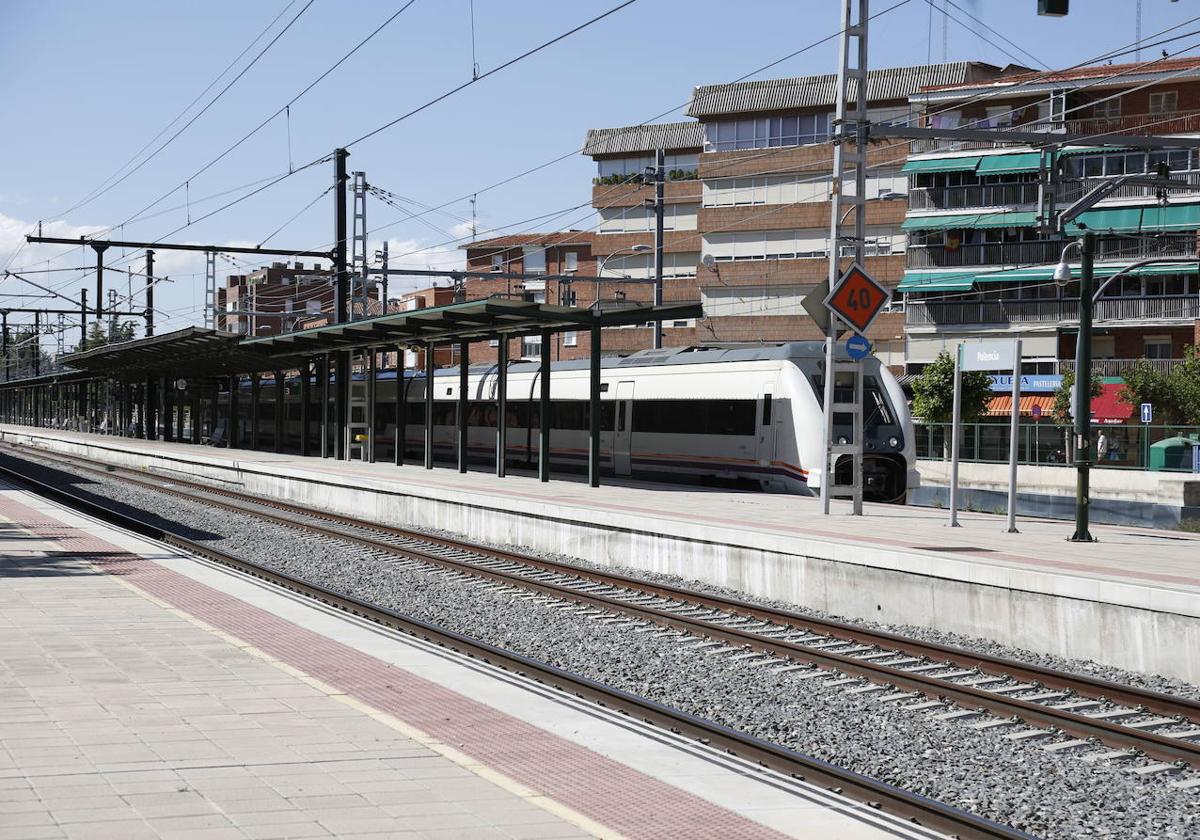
{"points": [[876, 409]]}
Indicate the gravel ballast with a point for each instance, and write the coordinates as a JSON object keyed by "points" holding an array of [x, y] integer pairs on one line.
{"points": [[1049, 795]]}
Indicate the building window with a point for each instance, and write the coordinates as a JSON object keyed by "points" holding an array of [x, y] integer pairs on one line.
{"points": [[727, 135], [570, 261], [1108, 108], [640, 219], [287, 305], [312, 307], [498, 261], [1157, 346], [534, 259], [1166, 102], [570, 339], [531, 346]]}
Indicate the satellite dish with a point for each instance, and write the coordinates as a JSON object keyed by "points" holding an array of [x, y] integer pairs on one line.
{"points": [[708, 261]]}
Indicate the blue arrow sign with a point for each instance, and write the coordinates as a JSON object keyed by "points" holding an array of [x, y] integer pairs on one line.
{"points": [[858, 347]]}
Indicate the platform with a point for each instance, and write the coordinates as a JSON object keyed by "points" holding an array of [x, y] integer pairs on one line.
{"points": [[1131, 600], [149, 694]]}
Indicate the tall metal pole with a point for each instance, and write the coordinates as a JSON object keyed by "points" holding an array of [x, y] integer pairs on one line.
{"points": [[660, 177], [955, 432], [149, 293], [594, 406], [1083, 391], [385, 277], [544, 410], [464, 396], [1014, 435], [341, 301], [99, 249], [83, 319], [501, 406], [840, 200], [37, 343], [4, 341]]}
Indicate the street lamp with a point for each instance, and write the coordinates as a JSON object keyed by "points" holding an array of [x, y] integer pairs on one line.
{"points": [[632, 249], [1083, 363]]}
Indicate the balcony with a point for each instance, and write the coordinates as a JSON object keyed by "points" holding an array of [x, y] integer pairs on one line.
{"points": [[972, 195], [995, 255], [1159, 310], [999, 255], [1179, 122], [1117, 367]]}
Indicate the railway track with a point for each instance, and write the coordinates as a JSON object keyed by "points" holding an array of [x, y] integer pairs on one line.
{"points": [[921, 811], [1099, 719]]}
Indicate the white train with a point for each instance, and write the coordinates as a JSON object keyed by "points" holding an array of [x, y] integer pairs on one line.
{"points": [[727, 417]]}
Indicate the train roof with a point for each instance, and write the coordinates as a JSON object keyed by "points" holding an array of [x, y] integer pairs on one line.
{"points": [[795, 350]]}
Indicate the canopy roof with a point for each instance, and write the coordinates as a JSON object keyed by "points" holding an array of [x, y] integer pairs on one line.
{"points": [[194, 351], [964, 280], [471, 320]]}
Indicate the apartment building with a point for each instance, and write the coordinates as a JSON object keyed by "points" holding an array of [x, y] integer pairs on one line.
{"points": [[280, 298], [748, 197], [978, 263]]}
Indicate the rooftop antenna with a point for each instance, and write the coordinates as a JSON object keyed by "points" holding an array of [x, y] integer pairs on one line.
{"points": [[474, 227], [474, 63]]}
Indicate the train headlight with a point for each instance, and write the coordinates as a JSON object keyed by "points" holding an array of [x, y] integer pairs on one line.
{"points": [[894, 442]]}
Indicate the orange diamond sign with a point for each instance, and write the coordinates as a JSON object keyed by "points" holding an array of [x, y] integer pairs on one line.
{"points": [[857, 298]]}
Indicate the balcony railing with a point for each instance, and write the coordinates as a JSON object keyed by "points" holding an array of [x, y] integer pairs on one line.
{"points": [[1022, 195], [919, 313], [1117, 367], [1180, 122], [1000, 255], [972, 195], [995, 255]]}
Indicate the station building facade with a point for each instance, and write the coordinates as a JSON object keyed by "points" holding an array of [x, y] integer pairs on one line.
{"points": [[979, 264]]}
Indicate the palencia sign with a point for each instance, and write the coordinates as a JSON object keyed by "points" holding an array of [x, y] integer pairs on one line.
{"points": [[986, 355]]}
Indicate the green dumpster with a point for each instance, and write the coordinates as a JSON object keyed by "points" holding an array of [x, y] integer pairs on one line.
{"points": [[1173, 453]]}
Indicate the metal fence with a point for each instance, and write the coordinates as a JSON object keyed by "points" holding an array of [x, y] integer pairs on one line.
{"points": [[1049, 444]]}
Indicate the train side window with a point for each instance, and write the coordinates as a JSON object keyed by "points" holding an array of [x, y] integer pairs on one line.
{"points": [[766, 414]]}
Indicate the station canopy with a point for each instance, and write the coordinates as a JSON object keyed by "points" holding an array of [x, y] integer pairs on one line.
{"points": [[191, 351], [473, 320]]}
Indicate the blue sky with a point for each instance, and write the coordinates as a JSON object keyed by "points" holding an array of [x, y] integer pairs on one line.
{"points": [[84, 87]]}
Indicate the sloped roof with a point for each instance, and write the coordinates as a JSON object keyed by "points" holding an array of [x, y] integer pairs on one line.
{"points": [[893, 83], [643, 138], [1096, 71], [515, 240]]}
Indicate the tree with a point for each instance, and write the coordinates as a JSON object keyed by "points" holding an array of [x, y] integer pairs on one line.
{"points": [[933, 392], [1062, 398], [97, 335], [1175, 395]]}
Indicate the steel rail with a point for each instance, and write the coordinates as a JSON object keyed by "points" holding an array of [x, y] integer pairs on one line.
{"points": [[1082, 684], [922, 810], [1109, 732]]}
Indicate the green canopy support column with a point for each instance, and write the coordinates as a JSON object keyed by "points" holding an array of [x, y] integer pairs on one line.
{"points": [[197, 404], [429, 350], [544, 410], [164, 407], [149, 430], [180, 406], [594, 409], [401, 399], [370, 418], [325, 405], [341, 401], [281, 409], [305, 404], [464, 387], [255, 388], [501, 406], [232, 428]]}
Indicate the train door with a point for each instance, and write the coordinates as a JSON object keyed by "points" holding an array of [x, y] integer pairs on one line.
{"points": [[623, 429], [766, 427]]}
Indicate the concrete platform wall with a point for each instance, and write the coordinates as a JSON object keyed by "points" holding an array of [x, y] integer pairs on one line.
{"points": [[1132, 626]]}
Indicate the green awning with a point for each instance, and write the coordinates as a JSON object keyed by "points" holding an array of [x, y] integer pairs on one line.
{"points": [[936, 281], [1089, 150], [1154, 218], [1008, 164], [950, 221], [1046, 272], [954, 164]]}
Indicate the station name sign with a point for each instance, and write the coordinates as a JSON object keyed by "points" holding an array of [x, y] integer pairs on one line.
{"points": [[987, 355]]}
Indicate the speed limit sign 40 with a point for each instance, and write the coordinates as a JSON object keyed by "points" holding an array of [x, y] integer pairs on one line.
{"points": [[857, 299]]}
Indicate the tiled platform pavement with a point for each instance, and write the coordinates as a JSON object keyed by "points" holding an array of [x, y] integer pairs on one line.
{"points": [[121, 719]]}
